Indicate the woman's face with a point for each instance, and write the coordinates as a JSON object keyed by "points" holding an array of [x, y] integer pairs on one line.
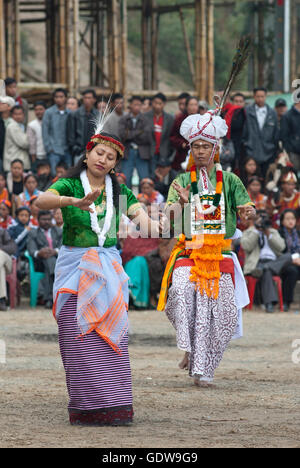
{"points": [[254, 187], [101, 160], [34, 209], [251, 167], [4, 211], [31, 184], [289, 221], [288, 188], [147, 189], [2, 183], [192, 107]]}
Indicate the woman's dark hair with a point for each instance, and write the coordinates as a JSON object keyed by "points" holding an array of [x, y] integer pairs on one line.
{"points": [[28, 177], [243, 175], [289, 210], [75, 171], [254, 179], [189, 99]]}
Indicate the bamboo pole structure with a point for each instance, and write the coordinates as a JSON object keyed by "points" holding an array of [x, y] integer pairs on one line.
{"points": [[55, 40], [9, 37], [261, 37], [145, 42], [187, 46], [76, 43], [62, 42], [116, 49], [154, 41], [203, 53], [2, 41], [110, 45], [17, 46], [124, 49], [210, 52], [294, 34], [100, 44]]}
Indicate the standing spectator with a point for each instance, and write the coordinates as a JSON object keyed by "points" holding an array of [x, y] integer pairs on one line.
{"points": [[20, 230], [16, 140], [161, 124], [72, 104], [3, 190], [80, 125], [236, 118], [6, 220], [290, 134], [43, 244], [177, 141], [281, 109], [12, 91], [30, 189], [7, 249], [34, 133], [291, 274], [6, 105], [181, 100], [146, 105], [44, 177], [112, 124], [102, 103], [261, 131], [135, 133], [54, 130], [203, 107]]}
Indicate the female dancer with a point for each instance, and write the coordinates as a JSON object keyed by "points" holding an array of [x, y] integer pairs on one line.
{"points": [[90, 289]]}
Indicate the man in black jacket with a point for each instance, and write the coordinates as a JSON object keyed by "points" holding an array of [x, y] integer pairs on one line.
{"points": [[7, 249], [261, 131], [290, 134], [80, 125], [161, 125], [135, 134], [43, 244]]}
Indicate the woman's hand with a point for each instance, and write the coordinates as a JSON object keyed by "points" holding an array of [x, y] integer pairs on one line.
{"points": [[182, 192], [85, 202]]}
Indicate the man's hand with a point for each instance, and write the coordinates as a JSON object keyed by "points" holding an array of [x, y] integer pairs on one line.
{"points": [[182, 192], [246, 212], [46, 252]]}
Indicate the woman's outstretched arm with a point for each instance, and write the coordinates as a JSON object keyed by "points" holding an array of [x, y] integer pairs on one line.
{"points": [[50, 201]]}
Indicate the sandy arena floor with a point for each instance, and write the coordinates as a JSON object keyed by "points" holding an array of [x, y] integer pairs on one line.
{"points": [[256, 403]]}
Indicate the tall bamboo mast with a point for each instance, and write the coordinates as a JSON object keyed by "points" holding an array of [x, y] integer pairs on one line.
{"points": [[124, 49], [116, 47], [146, 8], [17, 46], [203, 53], [154, 41], [76, 43], [2, 42], [62, 42], [9, 38], [210, 52], [294, 34], [187, 46]]}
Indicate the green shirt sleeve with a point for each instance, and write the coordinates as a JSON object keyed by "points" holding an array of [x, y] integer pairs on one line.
{"points": [[241, 196], [129, 203], [62, 187]]}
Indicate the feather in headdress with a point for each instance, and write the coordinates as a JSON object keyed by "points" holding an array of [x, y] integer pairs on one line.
{"points": [[100, 121]]}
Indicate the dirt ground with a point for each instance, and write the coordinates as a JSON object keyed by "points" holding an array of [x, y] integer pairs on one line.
{"points": [[256, 402]]}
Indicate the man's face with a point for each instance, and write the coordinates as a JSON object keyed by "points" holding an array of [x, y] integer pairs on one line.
{"points": [[281, 110], [60, 99], [192, 107], [135, 106], [118, 105], [16, 170], [88, 101], [44, 170], [11, 90], [39, 112], [4, 211], [201, 151], [239, 101], [260, 98], [72, 104], [182, 105], [158, 105], [289, 188], [60, 172], [18, 115], [45, 222]]}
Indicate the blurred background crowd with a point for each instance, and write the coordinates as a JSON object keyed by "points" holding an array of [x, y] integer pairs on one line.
{"points": [[37, 146]]}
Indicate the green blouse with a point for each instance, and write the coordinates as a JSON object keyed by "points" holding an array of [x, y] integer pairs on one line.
{"points": [[77, 231], [235, 194]]}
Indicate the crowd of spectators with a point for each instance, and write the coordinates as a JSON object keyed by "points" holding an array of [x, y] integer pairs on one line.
{"points": [[262, 147]]}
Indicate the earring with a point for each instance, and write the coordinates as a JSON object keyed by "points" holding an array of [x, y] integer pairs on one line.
{"points": [[85, 160], [112, 171]]}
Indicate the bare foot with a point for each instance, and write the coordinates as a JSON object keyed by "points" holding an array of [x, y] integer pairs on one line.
{"points": [[202, 384], [184, 364]]}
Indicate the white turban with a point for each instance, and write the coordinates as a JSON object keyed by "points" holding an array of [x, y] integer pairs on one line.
{"points": [[208, 127], [7, 100]]}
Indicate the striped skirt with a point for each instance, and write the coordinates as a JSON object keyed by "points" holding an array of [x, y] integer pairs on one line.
{"points": [[98, 379]]}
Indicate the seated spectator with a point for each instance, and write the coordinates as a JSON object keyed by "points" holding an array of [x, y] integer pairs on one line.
{"points": [[3, 190], [43, 172], [16, 140], [6, 220], [254, 189], [274, 172], [148, 193], [15, 178], [30, 189], [7, 249], [58, 218], [291, 274], [34, 133], [61, 171], [20, 230], [121, 178], [43, 244], [287, 198], [164, 176], [33, 223], [264, 258], [72, 104], [250, 169]]}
